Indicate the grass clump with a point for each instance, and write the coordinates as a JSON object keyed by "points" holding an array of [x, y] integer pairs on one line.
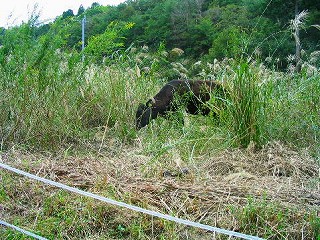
{"points": [[273, 221], [246, 110]]}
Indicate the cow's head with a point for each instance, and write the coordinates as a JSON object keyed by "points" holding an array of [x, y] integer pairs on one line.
{"points": [[144, 114]]}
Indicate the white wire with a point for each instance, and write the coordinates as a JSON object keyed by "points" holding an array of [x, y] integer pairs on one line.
{"points": [[22, 230], [132, 207]]}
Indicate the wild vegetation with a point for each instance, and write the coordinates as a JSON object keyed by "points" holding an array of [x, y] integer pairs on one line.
{"points": [[253, 168]]}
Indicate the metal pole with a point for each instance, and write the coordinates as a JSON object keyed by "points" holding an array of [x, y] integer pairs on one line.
{"points": [[83, 22]]}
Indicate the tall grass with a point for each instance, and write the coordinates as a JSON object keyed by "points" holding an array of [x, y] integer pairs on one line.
{"points": [[246, 111], [293, 115], [50, 98], [40, 90]]}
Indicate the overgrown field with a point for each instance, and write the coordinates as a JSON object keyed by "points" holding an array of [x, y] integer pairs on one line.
{"points": [[253, 168]]}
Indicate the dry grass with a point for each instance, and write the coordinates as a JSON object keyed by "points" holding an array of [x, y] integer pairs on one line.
{"points": [[216, 182]]}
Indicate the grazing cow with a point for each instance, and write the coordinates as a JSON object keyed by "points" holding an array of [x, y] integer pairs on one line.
{"points": [[192, 95]]}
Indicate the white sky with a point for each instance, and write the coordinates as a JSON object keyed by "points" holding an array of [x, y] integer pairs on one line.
{"points": [[13, 12]]}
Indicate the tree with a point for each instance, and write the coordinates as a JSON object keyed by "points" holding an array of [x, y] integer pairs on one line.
{"points": [[184, 16], [67, 14], [80, 10], [231, 42], [157, 26], [103, 45], [199, 25], [95, 4]]}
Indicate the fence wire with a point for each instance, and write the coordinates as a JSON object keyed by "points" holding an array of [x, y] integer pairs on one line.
{"points": [[21, 230], [131, 207]]}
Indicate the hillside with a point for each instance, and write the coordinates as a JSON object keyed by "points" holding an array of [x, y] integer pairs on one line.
{"points": [[205, 29]]}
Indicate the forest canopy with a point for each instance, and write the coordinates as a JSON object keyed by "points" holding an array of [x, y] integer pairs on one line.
{"points": [[203, 29]]}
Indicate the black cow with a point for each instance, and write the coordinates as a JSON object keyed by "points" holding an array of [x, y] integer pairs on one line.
{"points": [[192, 95]]}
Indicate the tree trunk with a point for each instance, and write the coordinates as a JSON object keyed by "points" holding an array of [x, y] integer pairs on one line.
{"points": [[297, 40]]}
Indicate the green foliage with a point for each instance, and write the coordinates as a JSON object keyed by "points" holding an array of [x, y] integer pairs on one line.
{"points": [[215, 28], [104, 45], [67, 14], [80, 10], [231, 42], [156, 28]]}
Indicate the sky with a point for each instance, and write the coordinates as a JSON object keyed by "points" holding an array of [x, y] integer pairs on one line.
{"points": [[13, 12]]}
